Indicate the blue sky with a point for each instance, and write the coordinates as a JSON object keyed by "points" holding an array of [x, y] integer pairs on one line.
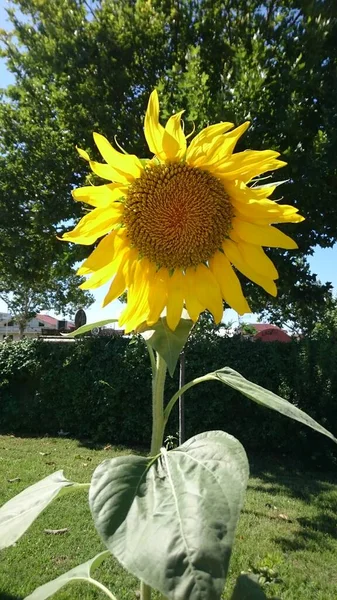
{"points": [[323, 262]]}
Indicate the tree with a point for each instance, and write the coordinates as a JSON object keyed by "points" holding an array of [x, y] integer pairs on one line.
{"points": [[83, 66], [26, 301], [326, 326], [307, 303], [36, 271]]}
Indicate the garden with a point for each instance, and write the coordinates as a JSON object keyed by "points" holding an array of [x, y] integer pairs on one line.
{"points": [[157, 451], [286, 534]]}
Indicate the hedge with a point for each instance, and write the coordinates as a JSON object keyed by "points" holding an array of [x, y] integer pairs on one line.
{"points": [[99, 389]]}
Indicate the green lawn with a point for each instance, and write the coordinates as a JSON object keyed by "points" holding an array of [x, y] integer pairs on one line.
{"points": [[287, 532]]}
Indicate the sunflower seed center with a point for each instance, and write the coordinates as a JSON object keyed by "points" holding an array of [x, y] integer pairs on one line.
{"points": [[177, 216]]}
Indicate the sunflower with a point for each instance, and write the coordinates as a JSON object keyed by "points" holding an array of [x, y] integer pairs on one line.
{"points": [[174, 226]]}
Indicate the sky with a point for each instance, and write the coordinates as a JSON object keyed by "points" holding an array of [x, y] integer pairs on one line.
{"points": [[323, 262]]}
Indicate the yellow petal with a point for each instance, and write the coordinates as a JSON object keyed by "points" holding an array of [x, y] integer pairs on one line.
{"points": [[138, 296], [102, 275], [99, 195], [290, 218], [116, 288], [123, 276], [193, 305], [95, 224], [83, 153], [229, 142], [229, 283], [157, 295], [153, 131], [100, 256], [255, 257], [241, 192], [219, 150], [135, 291], [109, 247], [98, 279], [264, 212], [262, 206], [232, 252], [143, 306], [207, 291], [207, 158], [262, 235], [236, 165], [204, 138], [175, 299], [107, 172], [264, 167], [128, 164], [174, 141]]}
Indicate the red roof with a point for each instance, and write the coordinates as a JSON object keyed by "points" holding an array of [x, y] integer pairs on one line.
{"points": [[264, 326], [47, 319], [270, 333]]}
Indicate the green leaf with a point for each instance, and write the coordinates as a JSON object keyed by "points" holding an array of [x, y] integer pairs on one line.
{"points": [[166, 342], [79, 573], [247, 588], [89, 327], [266, 398], [171, 520], [18, 514]]}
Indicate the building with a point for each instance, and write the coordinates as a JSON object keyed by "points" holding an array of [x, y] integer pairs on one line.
{"points": [[40, 325], [265, 332]]}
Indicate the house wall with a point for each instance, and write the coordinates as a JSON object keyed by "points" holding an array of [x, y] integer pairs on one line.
{"points": [[33, 329]]}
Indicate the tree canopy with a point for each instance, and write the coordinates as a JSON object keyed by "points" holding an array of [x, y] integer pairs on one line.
{"points": [[85, 66]]}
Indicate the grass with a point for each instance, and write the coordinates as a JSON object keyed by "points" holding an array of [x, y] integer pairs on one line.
{"points": [[287, 533]]}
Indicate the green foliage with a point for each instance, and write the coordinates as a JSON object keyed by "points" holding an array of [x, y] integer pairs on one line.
{"points": [[81, 67], [326, 326], [187, 540], [100, 388]]}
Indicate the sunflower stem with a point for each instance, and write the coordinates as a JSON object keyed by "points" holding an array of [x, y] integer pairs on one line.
{"points": [[152, 360], [180, 392], [158, 384], [145, 591]]}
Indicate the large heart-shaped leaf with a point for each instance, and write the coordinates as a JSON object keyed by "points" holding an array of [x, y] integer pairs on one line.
{"points": [[20, 512], [80, 573], [171, 520], [166, 342]]}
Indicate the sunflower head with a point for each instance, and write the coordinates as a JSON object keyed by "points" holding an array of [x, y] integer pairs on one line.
{"points": [[174, 226]]}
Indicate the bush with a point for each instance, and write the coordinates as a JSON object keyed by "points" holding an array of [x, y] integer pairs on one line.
{"points": [[100, 388]]}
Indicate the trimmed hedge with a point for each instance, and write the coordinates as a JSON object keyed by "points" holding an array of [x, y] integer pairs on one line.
{"points": [[99, 388]]}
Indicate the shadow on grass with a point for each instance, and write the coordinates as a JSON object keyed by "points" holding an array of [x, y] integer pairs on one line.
{"points": [[285, 475], [310, 486], [312, 533], [5, 596]]}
